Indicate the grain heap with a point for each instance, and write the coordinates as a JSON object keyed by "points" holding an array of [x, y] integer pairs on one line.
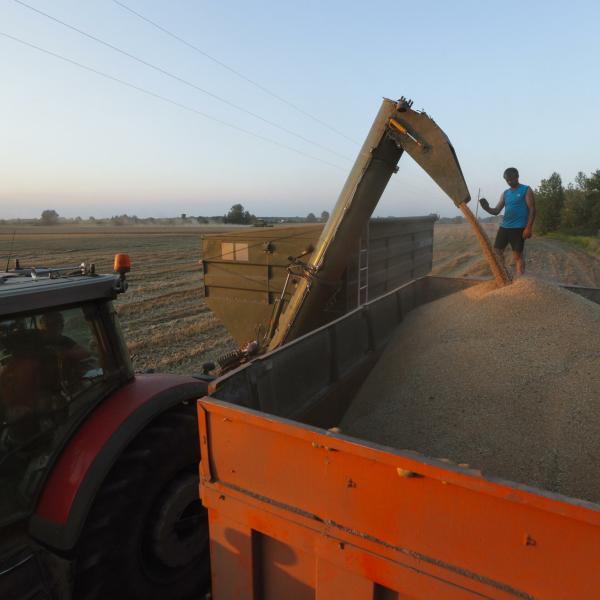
{"points": [[506, 380]]}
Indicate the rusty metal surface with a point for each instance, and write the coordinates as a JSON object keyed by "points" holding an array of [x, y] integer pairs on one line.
{"points": [[242, 293], [393, 518], [310, 375], [397, 128], [435, 156], [298, 561]]}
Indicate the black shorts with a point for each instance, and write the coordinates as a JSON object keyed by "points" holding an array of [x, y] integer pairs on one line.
{"points": [[514, 236]]}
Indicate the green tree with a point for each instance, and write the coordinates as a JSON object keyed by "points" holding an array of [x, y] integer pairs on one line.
{"points": [[311, 218], [325, 216], [237, 214], [119, 220], [592, 202], [549, 202], [581, 212], [580, 181], [592, 183], [571, 214], [49, 217]]}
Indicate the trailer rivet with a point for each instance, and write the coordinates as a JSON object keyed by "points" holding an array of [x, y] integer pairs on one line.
{"points": [[406, 473], [529, 541]]}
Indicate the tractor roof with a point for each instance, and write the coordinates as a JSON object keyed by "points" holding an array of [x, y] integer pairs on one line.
{"points": [[21, 292]]}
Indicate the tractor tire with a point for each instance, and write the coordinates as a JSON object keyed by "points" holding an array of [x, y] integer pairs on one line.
{"points": [[146, 536]]}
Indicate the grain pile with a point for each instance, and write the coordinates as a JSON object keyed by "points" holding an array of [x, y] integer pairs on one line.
{"points": [[506, 380]]}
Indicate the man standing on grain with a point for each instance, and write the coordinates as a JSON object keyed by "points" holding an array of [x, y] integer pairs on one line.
{"points": [[519, 214]]}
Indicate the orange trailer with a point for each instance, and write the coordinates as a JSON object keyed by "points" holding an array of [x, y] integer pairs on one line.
{"points": [[297, 511]]}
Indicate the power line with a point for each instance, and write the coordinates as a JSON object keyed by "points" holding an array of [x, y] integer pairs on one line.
{"points": [[179, 79], [404, 185], [235, 72], [169, 100], [163, 71]]}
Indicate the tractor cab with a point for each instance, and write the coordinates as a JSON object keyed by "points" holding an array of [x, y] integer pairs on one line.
{"points": [[61, 353], [90, 452]]}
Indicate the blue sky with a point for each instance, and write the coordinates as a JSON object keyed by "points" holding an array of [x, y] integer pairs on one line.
{"points": [[511, 83]]}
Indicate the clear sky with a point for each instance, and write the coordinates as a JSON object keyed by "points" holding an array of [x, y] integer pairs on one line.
{"points": [[511, 83]]}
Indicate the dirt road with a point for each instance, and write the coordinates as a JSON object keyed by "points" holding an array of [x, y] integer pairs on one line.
{"points": [[457, 253]]}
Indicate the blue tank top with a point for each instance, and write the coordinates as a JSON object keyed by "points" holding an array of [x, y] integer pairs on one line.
{"points": [[516, 211]]}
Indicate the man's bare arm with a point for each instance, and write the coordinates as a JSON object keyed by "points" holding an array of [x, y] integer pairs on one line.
{"points": [[493, 211], [530, 201]]}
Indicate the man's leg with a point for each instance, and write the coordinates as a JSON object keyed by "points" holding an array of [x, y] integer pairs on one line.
{"points": [[500, 244], [499, 252], [517, 244], [519, 262]]}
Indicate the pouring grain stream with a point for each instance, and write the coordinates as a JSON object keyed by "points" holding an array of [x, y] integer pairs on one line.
{"points": [[499, 271]]}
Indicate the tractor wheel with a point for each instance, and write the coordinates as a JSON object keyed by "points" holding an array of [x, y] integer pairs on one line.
{"points": [[146, 536]]}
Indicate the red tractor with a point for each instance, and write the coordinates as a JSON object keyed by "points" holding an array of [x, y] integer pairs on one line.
{"points": [[98, 478]]}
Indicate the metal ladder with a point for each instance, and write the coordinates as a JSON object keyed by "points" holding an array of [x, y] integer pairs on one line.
{"points": [[363, 267]]}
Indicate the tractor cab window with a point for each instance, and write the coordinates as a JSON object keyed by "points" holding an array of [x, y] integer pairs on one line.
{"points": [[54, 365]]}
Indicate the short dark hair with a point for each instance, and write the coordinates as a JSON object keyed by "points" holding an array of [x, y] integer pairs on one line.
{"points": [[511, 171]]}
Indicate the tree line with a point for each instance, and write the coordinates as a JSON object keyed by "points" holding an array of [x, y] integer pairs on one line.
{"points": [[237, 214], [574, 209]]}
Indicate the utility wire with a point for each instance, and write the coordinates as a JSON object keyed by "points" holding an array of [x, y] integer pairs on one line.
{"points": [[236, 128], [410, 186], [169, 100], [234, 71], [180, 79]]}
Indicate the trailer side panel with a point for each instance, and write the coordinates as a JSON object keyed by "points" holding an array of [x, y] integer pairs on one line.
{"points": [[301, 513]]}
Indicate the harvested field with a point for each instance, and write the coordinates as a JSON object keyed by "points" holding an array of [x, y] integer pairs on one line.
{"points": [[165, 320], [506, 380]]}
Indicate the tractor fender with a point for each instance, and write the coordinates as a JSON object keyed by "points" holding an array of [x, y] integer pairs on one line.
{"points": [[88, 457]]}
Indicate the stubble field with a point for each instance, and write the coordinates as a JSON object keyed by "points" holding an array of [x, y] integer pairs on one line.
{"points": [[165, 320]]}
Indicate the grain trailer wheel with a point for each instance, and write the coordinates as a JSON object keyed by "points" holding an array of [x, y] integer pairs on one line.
{"points": [[147, 533]]}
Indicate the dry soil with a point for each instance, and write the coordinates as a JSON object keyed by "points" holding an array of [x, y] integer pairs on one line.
{"points": [[166, 322], [456, 253]]}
